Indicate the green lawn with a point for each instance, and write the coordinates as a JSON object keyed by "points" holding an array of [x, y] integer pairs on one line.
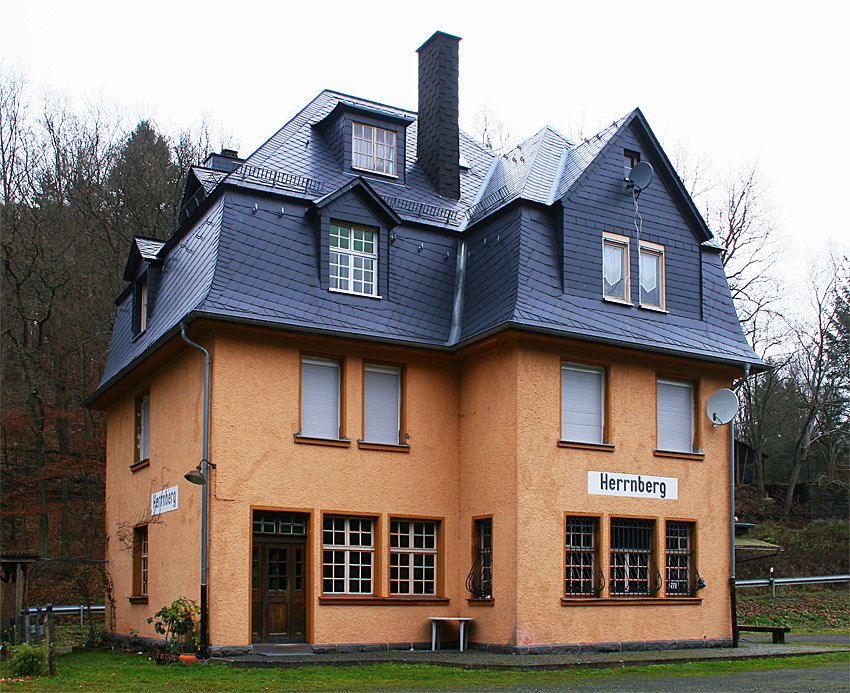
{"points": [[103, 671]]}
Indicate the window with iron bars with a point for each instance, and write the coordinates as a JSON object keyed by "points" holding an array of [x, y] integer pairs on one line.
{"points": [[480, 578], [682, 577], [633, 571], [583, 576]]}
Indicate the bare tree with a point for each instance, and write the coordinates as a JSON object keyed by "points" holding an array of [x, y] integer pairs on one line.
{"points": [[822, 387]]}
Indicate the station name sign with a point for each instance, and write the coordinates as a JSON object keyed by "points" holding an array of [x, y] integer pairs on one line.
{"points": [[633, 485], [164, 501]]}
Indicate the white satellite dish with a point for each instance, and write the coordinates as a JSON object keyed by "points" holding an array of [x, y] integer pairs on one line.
{"points": [[722, 407], [641, 175]]}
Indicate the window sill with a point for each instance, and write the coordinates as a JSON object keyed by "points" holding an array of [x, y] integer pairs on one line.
{"points": [[139, 335], [604, 447], [697, 456], [141, 464], [389, 447], [620, 301], [352, 600], [352, 293], [138, 599], [655, 309], [332, 442], [373, 172], [475, 601], [633, 601]]}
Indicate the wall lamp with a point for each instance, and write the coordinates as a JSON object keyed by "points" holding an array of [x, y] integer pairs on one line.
{"points": [[197, 475]]}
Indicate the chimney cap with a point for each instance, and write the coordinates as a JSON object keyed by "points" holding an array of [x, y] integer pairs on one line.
{"points": [[441, 35], [230, 153]]}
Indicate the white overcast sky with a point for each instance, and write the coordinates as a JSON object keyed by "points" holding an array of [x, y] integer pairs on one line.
{"points": [[737, 82]]}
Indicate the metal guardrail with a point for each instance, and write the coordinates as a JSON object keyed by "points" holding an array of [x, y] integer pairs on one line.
{"points": [[772, 581], [81, 609]]}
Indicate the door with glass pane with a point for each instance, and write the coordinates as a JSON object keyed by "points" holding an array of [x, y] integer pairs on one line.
{"points": [[278, 584]]}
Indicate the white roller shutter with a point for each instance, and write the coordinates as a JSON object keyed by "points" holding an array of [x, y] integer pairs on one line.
{"points": [[675, 416], [582, 404], [382, 405], [319, 398]]}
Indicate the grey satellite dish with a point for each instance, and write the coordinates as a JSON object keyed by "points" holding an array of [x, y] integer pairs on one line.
{"points": [[640, 176], [722, 407]]}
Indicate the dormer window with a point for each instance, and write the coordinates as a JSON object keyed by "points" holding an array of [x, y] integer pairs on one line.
{"points": [[353, 259], [374, 149], [615, 268]]}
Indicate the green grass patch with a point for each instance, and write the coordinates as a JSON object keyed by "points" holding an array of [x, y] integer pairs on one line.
{"points": [[821, 611], [122, 671]]}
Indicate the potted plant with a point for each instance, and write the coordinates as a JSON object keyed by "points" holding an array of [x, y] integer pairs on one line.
{"points": [[179, 623]]}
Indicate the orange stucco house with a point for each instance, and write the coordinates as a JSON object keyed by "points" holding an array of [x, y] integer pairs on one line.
{"points": [[421, 379]]}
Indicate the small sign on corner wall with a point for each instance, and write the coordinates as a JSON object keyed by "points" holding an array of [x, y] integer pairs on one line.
{"points": [[164, 501]]}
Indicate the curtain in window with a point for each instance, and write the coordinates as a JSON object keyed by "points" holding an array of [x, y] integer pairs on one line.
{"points": [[675, 416], [582, 404], [319, 398], [613, 264], [381, 405], [650, 293]]}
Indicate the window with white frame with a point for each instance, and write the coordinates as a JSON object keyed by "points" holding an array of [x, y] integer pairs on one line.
{"points": [[382, 404], [348, 550], [140, 561], [353, 259], [143, 427], [320, 398], [675, 415], [615, 267], [373, 149], [413, 557], [582, 404], [652, 293]]}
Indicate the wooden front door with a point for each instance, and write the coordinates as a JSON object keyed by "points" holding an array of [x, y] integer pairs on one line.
{"points": [[278, 585]]}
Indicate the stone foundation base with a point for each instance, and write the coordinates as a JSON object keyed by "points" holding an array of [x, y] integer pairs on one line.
{"points": [[596, 647]]}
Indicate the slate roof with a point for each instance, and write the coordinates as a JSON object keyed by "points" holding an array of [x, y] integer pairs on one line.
{"points": [[248, 259]]}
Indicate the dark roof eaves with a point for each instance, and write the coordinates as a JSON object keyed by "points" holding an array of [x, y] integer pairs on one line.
{"points": [[755, 364]]}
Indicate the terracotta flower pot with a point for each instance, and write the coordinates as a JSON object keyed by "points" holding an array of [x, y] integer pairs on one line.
{"points": [[187, 659]]}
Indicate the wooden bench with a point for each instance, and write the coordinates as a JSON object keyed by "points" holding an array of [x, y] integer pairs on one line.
{"points": [[778, 632]]}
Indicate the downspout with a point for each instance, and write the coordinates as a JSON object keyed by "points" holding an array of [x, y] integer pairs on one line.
{"points": [[733, 592], [460, 283], [204, 645]]}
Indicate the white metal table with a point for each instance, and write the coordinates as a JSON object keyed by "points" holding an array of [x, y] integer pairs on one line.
{"points": [[463, 621]]}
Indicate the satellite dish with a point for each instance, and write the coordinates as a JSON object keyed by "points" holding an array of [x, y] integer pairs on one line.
{"points": [[640, 176], [722, 407]]}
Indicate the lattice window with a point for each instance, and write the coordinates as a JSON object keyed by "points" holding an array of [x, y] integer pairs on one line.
{"points": [[348, 555], [413, 557], [353, 259], [373, 149]]}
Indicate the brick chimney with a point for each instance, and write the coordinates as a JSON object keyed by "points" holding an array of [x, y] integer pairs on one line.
{"points": [[438, 145]]}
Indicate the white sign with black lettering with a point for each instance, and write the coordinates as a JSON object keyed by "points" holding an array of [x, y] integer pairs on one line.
{"points": [[164, 501], [633, 485]]}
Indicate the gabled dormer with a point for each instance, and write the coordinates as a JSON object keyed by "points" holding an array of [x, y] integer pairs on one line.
{"points": [[369, 142], [203, 179], [354, 226], [143, 271]]}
